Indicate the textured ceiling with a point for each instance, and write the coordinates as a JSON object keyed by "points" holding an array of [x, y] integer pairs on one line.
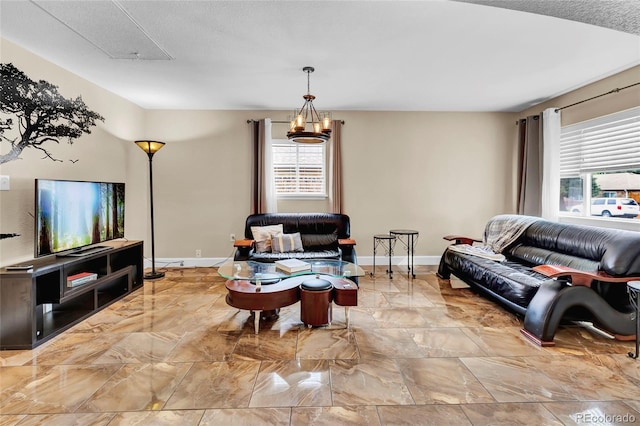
{"points": [[430, 55], [615, 14]]}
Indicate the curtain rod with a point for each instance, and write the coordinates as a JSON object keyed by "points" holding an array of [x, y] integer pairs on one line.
{"points": [[598, 96], [279, 122]]}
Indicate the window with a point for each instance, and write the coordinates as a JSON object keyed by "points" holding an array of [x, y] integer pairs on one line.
{"points": [[600, 158], [299, 170]]}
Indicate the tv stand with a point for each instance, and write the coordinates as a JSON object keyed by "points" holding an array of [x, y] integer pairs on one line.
{"points": [[85, 251], [38, 304]]}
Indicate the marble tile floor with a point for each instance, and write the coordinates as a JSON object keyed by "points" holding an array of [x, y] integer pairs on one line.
{"points": [[418, 352]]}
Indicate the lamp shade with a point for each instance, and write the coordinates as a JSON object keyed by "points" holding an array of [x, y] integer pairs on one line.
{"points": [[150, 147]]}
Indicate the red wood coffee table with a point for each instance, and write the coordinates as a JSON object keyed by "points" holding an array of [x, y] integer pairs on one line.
{"points": [[246, 294]]}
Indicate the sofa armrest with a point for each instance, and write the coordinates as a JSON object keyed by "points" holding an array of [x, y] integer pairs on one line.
{"points": [[243, 249], [346, 242], [578, 277], [243, 243], [459, 239]]}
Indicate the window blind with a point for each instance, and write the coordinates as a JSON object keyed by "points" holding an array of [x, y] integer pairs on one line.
{"points": [[608, 143], [299, 169]]}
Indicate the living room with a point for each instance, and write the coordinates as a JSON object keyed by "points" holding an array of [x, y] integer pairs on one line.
{"points": [[437, 171], [434, 147]]}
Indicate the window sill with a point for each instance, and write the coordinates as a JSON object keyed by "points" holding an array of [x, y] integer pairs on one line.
{"points": [[617, 223], [302, 197]]}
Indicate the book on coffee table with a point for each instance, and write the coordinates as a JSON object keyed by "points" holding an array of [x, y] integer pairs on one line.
{"points": [[291, 266]]}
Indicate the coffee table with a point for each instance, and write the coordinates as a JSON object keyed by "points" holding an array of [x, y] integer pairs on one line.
{"points": [[260, 287]]}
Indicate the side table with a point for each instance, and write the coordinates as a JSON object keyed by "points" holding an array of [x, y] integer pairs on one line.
{"points": [[410, 243], [387, 241], [633, 287]]}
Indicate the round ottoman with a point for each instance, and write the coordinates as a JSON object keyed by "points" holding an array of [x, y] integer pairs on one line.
{"points": [[315, 302]]}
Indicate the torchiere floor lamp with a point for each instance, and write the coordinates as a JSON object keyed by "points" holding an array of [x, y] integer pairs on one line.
{"points": [[151, 147]]}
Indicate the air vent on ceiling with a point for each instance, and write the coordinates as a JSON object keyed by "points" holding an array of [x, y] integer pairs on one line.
{"points": [[107, 26]]}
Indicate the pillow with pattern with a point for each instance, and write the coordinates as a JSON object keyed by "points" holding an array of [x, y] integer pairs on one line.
{"points": [[286, 243], [262, 236]]}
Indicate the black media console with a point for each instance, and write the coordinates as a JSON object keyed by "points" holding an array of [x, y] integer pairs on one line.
{"points": [[38, 304]]}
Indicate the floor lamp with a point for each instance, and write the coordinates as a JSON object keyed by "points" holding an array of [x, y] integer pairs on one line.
{"points": [[151, 147]]}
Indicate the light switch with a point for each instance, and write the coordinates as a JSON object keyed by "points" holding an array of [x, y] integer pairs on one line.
{"points": [[4, 183]]}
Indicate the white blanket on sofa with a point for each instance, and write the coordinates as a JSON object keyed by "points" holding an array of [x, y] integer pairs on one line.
{"points": [[502, 230], [480, 251]]}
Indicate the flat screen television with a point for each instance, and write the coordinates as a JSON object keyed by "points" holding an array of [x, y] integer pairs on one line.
{"points": [[72, 215]]}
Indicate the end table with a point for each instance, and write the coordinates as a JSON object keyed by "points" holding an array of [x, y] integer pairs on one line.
{"points": [[410, 243], [387, 241]]}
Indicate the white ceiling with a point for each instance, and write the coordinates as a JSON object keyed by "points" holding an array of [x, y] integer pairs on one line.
{"points": [[429, 55]]}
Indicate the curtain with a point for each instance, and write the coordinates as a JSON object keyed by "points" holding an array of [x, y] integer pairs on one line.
{"points": [[335, 167], [529, 166], [550, 196], [263, 191]]}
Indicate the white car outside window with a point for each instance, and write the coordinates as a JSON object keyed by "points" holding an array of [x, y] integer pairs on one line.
{"points": [[616, 207]]}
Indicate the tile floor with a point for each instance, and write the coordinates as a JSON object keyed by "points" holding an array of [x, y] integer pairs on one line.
{"points": [[418, 352]]}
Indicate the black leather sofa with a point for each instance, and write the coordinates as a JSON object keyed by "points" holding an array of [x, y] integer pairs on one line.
{"points": [[324, 236], [555, 272]]}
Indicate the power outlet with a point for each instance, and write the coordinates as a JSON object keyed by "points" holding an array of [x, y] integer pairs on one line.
{"points": [[5, 183], [198, 253], [232, 237]]}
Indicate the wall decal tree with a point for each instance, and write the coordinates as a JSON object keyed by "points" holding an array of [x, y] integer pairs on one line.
{"points": [[42, 115]]}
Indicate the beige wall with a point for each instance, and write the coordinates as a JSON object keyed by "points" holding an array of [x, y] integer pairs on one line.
{"points": [[608, 104], [436, 172], [102, 155]]}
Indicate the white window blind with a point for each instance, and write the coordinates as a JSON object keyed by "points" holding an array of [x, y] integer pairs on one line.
{"points": [[299, 169], [608, 143]]}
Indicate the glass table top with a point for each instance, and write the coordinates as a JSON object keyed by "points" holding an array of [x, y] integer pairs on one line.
{"points": [[252, 270]]}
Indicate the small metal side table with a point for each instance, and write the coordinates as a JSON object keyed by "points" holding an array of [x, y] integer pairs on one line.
{"points": [[633, 287], [410, 243], [387, 241]]}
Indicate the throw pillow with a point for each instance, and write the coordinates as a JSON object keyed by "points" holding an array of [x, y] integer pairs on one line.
{"points": [[285, 243], [262, 236]]}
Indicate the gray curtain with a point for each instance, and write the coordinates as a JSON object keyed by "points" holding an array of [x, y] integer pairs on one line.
{"points": [[530, 166], [335, 167]]}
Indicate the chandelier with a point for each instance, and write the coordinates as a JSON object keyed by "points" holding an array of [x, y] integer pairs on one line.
{"points": [[306, 124]]}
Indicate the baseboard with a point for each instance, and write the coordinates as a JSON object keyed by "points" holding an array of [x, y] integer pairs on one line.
{"points": [[399, 260], [195, 262], [210, 262]]}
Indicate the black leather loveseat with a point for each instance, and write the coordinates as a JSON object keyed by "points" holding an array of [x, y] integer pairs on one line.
{"points": [[323, 236], [552, 272]]}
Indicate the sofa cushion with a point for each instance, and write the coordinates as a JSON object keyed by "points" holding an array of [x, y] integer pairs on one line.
{"points": [[615, 251], [271, 257], [539, 256], [262, 236], [283, 243], [313, 242], [511, 280]]}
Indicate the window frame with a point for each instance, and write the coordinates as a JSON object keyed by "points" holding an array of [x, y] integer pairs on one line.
{"points": [[587, 174], [299, 195]]}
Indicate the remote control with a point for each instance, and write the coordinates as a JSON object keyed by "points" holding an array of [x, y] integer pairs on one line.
{"points": [[19, 267]]}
